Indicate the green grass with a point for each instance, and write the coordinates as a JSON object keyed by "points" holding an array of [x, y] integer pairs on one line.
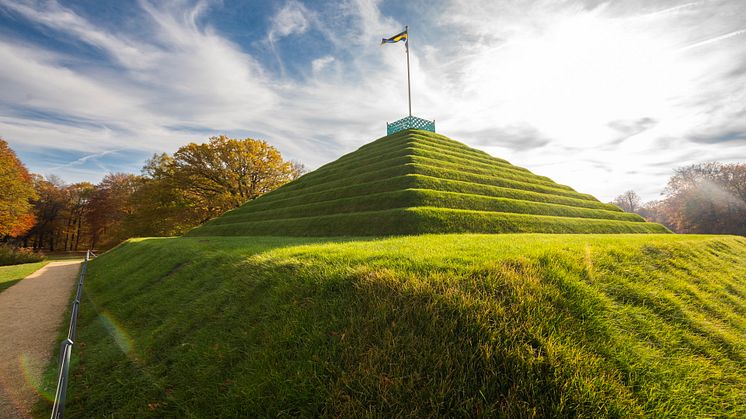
{"points": [[429, 182], [464, 176], [388, 152], [417, 220], [440, 325], [463, 164], [375, 165], [415, 198], [387, 186], [10, 275], [419, 146], [394, 184]]}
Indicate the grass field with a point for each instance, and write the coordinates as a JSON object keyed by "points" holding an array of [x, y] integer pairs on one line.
{"points": [[408, 183], [435, 325], [10, 275]]}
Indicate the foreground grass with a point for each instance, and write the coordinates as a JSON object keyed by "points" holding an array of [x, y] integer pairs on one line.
{"points": [[446, 325], [10, 275]]}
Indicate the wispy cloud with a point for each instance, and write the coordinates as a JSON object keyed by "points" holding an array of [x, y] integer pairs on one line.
{"points": [[675, 9], [715, 39], [292, 18], [86, 158], [561, 87]]}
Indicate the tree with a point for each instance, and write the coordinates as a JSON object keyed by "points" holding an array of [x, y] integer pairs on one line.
{"points": [[109, 206], [173, 195], [297, 169], [160, 208], [657, 212], [48, 209], [628, 201], [77, 198], [16, 184], [705, 198], [225, 173], [708, 198], [201, 181]]}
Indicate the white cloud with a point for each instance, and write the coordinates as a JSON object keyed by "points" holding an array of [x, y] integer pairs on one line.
{"points": [[570, 71], [291, 19], [55, 16], [318, 65], [601, 98]]}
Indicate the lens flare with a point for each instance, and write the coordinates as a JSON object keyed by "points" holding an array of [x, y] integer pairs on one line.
{"points": [[32, 370], [117, 332]]}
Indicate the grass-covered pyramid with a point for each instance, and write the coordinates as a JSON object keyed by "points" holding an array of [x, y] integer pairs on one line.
{"points": [[415, 182]]}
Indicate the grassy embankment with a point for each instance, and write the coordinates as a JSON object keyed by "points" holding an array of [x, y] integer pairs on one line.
{"points": [[418, 182], [447, 325]]}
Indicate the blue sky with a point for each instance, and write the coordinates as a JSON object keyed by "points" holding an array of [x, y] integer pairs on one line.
{"points": [[602, 96]]}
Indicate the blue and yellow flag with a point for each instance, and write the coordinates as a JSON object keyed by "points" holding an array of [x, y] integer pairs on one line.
{"points": [[396, 38]]}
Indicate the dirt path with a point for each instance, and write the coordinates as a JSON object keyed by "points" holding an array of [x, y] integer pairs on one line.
{"points": [[31, 313]]}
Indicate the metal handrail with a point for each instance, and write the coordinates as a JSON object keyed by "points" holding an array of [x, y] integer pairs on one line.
{"points": [[66, 347]]}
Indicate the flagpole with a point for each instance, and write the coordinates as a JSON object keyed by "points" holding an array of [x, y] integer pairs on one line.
{"points": [[409, 83]]}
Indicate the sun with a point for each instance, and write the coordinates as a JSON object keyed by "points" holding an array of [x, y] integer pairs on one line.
{"points": [[572, 77]]}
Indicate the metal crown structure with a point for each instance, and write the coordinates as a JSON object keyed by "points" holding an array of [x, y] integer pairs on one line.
{"points": [[410, 122]]}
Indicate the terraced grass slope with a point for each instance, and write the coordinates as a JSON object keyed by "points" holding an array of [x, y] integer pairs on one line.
{"points": [[463, 325], [417, 182]]}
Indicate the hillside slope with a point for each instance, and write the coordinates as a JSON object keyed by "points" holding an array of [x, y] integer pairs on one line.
{"points": [[416, 182], [444, 325]]}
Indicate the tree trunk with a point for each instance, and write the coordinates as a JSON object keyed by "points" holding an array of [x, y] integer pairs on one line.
{"points": [[77, 236]]}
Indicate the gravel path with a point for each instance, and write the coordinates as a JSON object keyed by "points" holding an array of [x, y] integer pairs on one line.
{"points": [[31, 313]]}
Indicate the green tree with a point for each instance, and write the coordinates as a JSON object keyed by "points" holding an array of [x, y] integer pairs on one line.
{"points": [[108, 208], [16, 209], [160, 208]]}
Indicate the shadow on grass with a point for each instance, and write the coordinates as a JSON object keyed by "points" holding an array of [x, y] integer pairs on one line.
{"points": [[8, 284]]}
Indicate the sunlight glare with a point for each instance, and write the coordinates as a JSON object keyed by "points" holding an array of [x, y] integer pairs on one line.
{"points": [[572, 77]]}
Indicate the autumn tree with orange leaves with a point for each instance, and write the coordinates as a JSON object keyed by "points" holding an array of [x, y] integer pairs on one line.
{"points": [[172, 195], [16, 193]]}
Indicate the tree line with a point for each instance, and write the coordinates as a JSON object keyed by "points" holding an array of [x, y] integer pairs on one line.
{"points": [[173, 194], [705, 198]]}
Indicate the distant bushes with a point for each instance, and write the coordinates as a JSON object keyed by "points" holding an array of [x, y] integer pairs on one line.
{"points": [[10, 255]]}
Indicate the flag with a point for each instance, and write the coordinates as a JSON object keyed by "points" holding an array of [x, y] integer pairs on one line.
{"points": [[396, 38]]}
